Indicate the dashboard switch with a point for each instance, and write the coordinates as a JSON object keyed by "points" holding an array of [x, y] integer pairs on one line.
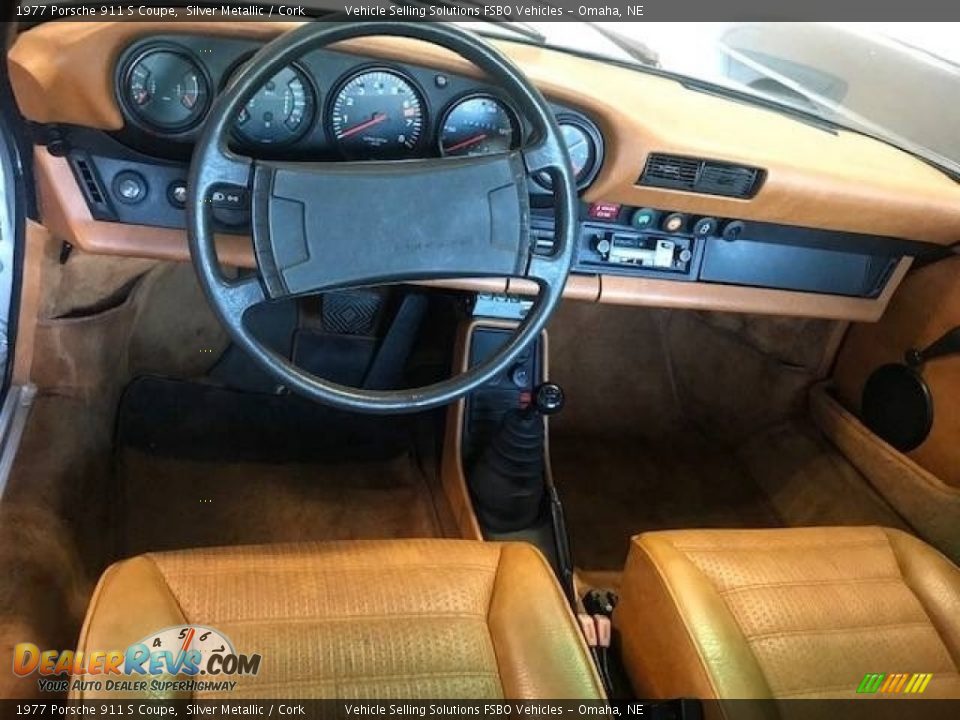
{"points": [[644, 218], [177, 193], [705, 227], [674, 222], [604, 211], [733, 230], [129, 187], [520, 376]]}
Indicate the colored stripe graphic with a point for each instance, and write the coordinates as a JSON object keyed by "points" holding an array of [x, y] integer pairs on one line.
{"points": [[894, 683], [918, 683], [871, 682]]}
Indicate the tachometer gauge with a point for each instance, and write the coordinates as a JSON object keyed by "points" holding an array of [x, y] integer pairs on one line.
{"points": [[479, 125], [166, 90], [280, 111], [377, 114]]}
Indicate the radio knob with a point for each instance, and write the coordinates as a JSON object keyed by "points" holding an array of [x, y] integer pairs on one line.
{"points": [[705, 227], [733, 230], [674, 222], [644, 218]]}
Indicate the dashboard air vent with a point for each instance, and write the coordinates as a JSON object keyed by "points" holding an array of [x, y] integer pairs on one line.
{"points": [[89, 180], [702, 176], [671, 171]]}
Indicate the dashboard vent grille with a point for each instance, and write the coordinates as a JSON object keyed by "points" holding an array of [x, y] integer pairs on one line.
{"points": [[671, 171], [89, 180], [702, 176]]}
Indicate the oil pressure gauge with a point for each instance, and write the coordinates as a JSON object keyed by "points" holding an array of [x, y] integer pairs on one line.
{"points": [[165, 90]]}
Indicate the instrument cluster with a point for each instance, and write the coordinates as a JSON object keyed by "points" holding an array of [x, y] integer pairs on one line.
{"points": [[329, 105]]}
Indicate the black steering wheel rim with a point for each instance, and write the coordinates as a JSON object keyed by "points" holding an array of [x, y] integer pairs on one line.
{"points": [[214, 164]]}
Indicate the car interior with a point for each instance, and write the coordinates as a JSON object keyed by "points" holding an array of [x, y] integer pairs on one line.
{"points": [[427, 363]]}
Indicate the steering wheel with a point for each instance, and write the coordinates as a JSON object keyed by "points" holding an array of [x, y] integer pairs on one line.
{"points": [[427, 219]]}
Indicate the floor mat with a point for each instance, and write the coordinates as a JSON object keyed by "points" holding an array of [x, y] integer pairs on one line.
{"points": [[198, 421], [199, 465], [170, 503]]}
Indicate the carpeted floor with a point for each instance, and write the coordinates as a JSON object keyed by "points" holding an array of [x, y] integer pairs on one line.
{"points": [[201, 465], [172, 503], [691, 420]]}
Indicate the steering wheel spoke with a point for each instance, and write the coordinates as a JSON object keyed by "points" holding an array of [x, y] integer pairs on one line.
{"points": [[238, 296], [224, 168], [546, 155]]}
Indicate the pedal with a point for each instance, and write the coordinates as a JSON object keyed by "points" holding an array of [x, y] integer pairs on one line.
{"points": [[351, 312]]}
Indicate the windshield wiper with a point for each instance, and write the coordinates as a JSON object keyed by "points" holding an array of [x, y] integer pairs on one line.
{"points": [[516, 26], [636, 49]]}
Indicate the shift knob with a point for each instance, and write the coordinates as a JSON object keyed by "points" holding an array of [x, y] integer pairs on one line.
{"points": [[548, 398]]}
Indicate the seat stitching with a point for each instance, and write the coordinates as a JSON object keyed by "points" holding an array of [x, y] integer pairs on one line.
{"points": [[344, 618], [815, 688], [692, 638], [359, 568], [760, 637], [493, 591], [797, 546], [916, 596], [366, 678], [166, 584], [803, 583]]}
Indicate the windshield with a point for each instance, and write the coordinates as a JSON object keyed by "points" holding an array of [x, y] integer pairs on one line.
{"points": [[896, 81], [899, 82]]}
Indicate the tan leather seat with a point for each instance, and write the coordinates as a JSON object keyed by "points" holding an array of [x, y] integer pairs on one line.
{"points": [[793, 613], [380, 619]]}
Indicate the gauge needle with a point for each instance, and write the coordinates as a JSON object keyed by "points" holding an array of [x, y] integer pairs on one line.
{"points": [[466, 143], [375, 120], [184, 648]]}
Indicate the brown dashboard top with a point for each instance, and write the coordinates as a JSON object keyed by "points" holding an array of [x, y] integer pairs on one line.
{"points": [[63, 72]]}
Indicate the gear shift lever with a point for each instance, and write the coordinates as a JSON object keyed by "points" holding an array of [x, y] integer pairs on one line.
{"points": [[508, 477]]}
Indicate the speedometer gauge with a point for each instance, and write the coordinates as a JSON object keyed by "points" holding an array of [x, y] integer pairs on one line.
{"points": [[280, 111], [377, 114], [479, 125]]}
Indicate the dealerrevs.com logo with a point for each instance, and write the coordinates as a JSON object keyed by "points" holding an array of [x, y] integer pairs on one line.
{"points": [[176, 659]]}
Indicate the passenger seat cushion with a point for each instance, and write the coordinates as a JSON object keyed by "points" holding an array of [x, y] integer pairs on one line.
{"points": [[387, 619], [786, 613]]}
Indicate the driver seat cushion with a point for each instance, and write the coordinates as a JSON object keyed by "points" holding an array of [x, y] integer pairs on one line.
{"points": [[786, 613], [385, 619]]}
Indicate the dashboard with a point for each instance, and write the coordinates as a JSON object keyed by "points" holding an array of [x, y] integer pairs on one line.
{"points": [[688, 199], [328, 106]]}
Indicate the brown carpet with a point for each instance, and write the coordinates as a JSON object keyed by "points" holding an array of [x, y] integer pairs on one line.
{"points": [[611, 492], [678, 419], [171, 504]]}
